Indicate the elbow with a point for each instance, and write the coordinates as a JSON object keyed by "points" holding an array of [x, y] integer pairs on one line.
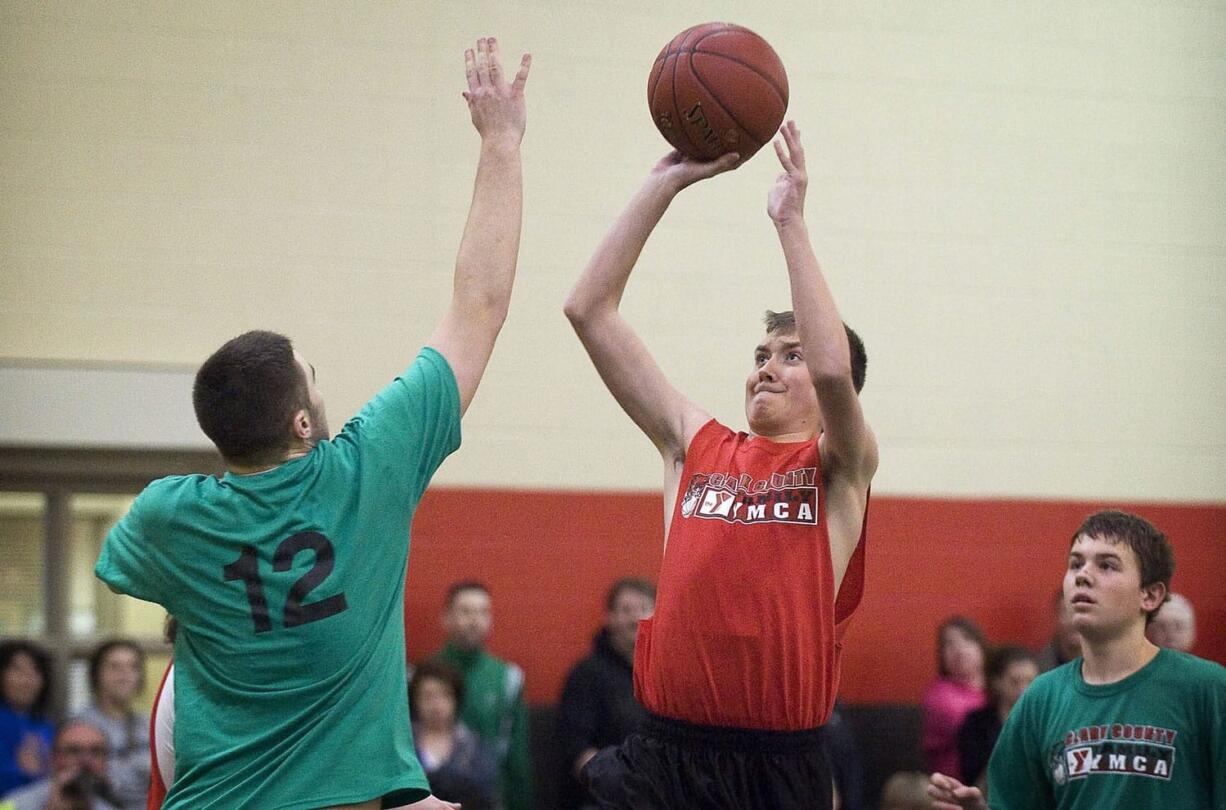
{"points": [[489, 308], [577, 310]]}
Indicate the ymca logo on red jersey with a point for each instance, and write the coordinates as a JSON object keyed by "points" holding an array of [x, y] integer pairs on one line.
{"points": [[788, 497], [1114, 748]]}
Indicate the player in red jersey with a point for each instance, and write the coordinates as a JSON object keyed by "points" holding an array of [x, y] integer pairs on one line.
{"points": [[764, 530]]}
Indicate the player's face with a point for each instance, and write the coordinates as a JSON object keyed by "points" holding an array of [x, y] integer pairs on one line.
{"points": [[779, 393], [22, 682], [319, 416], [1102, 586], [469, 619], [119, 675], [961, 654], [436, 705], [1013, 681], [629, 608]]}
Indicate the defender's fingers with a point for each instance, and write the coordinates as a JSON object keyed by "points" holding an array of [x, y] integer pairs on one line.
{"points": [[470, 69], [521, 77], [495, 64], [791, 134], [784, 160], [483, 62]]}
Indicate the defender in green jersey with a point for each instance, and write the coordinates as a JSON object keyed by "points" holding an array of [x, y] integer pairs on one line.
{"points": [[1126, 726], [287, 574]]}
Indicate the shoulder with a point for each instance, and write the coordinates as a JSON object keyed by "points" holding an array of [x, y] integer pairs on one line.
{"points": [[1054, 681], [163, 496], [1190, 671]]}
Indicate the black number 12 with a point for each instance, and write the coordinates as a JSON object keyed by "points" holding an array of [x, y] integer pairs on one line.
{"points": [[247, 569]]}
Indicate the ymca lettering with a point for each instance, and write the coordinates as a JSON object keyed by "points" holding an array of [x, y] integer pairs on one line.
{"points": [[1115, 748], [789, 497]]}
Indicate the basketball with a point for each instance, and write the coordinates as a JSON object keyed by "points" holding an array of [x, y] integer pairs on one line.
{"points": [[717, 88]]}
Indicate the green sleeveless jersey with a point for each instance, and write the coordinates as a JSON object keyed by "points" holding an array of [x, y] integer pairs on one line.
{"points": [[1156, 739], [288, 586]]}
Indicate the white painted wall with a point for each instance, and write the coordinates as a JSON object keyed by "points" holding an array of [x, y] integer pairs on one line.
{"points": [[1021, 206]]}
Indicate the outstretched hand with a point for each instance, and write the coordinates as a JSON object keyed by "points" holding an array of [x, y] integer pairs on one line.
{"points": [[496, 106], [786, 201], [948, 793], [681, 171]]}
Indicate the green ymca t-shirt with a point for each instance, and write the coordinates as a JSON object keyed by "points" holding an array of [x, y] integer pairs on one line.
{"points": [[1156, 739], [288, 586]]}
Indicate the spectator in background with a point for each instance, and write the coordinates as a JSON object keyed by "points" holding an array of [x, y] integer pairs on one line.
{"points": [[460, 767], [957, 691], [78, 780], [1010, 670], [1174, 626], [25, 733], [1065, 644], [116, 678], [598, 706], [493, 704]]}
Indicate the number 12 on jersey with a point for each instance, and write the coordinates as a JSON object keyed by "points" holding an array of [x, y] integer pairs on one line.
{"points": [[247, 569]]}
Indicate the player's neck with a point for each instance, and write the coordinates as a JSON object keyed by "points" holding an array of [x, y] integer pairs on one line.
{"points": [[783, 434], [297, 450], [1105, 661]]}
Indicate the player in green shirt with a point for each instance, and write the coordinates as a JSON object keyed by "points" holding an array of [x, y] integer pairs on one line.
{"points": [[286, 576], [1126, 726], [494, 706]]}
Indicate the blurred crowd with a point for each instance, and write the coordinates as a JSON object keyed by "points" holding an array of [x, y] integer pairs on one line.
{"points": [[470, 718]]}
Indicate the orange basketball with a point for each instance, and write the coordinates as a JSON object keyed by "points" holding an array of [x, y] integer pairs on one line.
{"points": [[717, 88]]}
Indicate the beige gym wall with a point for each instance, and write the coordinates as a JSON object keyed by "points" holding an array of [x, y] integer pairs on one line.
{"points": [[1021, 206]]}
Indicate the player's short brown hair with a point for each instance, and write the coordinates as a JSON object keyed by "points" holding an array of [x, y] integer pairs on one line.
{"points": [[786, 322], [246, 395], [1153, 550]]}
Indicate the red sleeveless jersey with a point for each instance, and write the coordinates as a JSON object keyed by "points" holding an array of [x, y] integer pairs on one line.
{"points": [[747, 631]]}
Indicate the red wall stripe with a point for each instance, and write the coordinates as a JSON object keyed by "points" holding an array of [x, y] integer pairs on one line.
{"points": [[549, 557]]}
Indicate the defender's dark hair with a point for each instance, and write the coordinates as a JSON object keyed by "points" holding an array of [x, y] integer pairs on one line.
{"points": [[246, 394], [465, 585], [786, 322], [42, 662], [1153, 550], [636, 584], [968, 628], [104, 649], [440, 671]]}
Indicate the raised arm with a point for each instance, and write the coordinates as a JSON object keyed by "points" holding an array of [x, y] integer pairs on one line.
{"points": [[848, 447], [667, 417], [485, 266]]}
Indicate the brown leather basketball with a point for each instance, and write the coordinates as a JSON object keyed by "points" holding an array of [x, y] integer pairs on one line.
{"points": [[717, 88]]}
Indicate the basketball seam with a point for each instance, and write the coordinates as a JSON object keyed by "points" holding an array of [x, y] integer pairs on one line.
{"points": [[744, 64], [719, 104], [651, 95], [677, 109]]}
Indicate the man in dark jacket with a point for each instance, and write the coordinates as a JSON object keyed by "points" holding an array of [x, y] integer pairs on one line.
{"points": [[598, 706]]}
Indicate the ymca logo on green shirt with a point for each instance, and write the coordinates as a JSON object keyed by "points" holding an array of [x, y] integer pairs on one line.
{"points": [[1113, 748]]}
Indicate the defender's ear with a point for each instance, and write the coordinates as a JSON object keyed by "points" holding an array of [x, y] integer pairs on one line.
{"points": [[302, 424]]}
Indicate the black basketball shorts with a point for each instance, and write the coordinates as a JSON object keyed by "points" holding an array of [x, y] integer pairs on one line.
{"points": [[673, 765]]}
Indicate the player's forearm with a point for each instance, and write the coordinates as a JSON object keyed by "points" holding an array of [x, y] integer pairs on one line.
{"points": [[489, 249], [600, 288], [822, 335]]}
